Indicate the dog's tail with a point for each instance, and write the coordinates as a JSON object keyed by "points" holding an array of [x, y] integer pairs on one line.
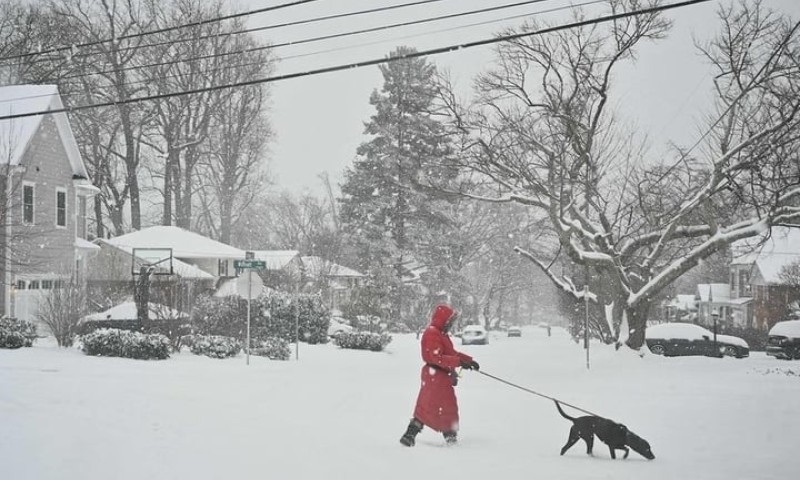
{"points": [[558, 406]]}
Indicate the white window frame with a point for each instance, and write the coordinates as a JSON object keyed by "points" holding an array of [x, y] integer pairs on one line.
{"points": [[33, 203], [62, 190]]}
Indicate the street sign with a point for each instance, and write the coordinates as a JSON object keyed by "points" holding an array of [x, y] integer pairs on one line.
{"points": [[249, 264]]}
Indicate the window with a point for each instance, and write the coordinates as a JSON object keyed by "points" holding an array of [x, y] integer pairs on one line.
{"points": [[33, 285], [223, 268], [61, 207], [47, 284], [20, 284], [27, 203]]}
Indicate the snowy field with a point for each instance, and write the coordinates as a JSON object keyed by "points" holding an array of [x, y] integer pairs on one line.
{"points": [[338, 414]]}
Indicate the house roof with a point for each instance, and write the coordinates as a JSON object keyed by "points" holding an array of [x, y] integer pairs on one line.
{"points": [[720, 292], [683, 302], [276, 259], [769, 252], [318, 267], [16, 134], [184, 244]]}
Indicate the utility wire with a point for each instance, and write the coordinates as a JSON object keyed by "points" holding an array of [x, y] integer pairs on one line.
{"points": [[160, 30], [323, 37], [373, 62], [321, 52], [360, 45]]}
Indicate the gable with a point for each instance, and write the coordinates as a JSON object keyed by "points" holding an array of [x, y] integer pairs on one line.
{"points": [[17, 134]]}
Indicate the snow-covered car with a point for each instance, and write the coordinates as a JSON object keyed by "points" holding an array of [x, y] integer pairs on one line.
{"points": [[678, 339], [514, 332], [474, 335], [784, 340]]}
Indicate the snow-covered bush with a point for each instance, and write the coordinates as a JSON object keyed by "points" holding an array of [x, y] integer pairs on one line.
{"points": [[273, 315], [363, 340], [112, 342], [62, 311], [15, 333], [215, 346], [272, 347]]}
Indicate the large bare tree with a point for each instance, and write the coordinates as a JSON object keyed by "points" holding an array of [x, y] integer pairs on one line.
{"points": [[542, 134]]}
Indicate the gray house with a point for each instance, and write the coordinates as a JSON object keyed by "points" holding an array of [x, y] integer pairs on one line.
{"points": [[45, 189]]}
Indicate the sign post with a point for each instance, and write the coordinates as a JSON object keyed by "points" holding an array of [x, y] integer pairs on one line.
{"points": [[245, 285]]}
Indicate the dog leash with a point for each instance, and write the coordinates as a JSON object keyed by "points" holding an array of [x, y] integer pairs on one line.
{"points": [[537, 393]]}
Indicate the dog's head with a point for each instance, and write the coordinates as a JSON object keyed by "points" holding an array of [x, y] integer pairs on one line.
{"points": [[639, 445]]}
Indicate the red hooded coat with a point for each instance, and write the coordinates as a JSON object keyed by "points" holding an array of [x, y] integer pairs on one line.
{"points": [[436, 404]]}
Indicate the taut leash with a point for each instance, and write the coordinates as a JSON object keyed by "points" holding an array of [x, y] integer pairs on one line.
{"points": [[537, 393]]}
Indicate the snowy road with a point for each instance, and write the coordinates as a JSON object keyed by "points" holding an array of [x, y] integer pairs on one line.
{"points": [[339, 414]]}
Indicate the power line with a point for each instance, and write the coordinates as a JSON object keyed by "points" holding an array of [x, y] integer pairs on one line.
{"points": [[160, 30], [350, 47], [369, 63], [323, 37]]}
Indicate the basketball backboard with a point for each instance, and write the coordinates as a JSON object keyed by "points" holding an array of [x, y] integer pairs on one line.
{"points": [[160, 259]]}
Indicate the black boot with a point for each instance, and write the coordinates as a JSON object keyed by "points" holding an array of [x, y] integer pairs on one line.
{"points": [[413, 429], [450, 438]]}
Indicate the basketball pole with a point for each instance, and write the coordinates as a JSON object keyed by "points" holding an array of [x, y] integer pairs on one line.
{"points": [[249, 296]]}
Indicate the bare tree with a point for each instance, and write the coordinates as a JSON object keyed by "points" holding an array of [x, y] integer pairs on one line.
{"points": [[542, 134], [62, 311]]}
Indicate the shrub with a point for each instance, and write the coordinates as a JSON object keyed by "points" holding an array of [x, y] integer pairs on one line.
{"points": [[175, 330], [363, 340], [112, 342], [215, 346], [62, 311], [15, 333], [273, 348]]}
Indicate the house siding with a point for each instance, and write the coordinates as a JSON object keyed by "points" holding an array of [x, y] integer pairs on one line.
{"points": [[42, 250]]}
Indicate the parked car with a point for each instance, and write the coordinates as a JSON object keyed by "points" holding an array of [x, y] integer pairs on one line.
{"points": [[784, 340], [474, 335], [514, 332], [337, 326], [677, 339]]}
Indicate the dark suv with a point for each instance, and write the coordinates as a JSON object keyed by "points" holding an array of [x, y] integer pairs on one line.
{"points": [[784, 340]]}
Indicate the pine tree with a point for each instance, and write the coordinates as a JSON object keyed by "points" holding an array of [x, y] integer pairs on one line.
{"points": [[381, 202]]}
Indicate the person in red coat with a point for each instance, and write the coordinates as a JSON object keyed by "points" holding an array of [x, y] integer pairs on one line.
{"points": [[436, 406]]}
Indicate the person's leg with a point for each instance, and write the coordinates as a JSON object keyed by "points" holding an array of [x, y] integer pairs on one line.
{"points": [[450, 437], [414, 427]]}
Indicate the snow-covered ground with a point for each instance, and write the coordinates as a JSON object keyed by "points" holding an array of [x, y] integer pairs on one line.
{"points": [[339, 414]]}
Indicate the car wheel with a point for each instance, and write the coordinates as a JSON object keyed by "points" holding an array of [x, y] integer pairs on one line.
{"points": [[658, 349], [797, 354], [729, 352]]}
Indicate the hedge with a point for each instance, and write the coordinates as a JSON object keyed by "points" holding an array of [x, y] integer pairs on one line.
{"points": [[112, 342]]}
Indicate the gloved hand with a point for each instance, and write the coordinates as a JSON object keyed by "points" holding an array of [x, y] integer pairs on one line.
{"points": [[472, 365]]}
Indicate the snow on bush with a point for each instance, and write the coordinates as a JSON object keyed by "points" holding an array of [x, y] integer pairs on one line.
{"points": [[15, 333], [215, 346], [272, 347], [112, 342], [363, 340]]}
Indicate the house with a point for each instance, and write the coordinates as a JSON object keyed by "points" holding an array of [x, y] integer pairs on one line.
{"points": [[336, 282], [713, 299], [46, 189], [284, 268], [755, 275], [198, 264], [680, 308]]}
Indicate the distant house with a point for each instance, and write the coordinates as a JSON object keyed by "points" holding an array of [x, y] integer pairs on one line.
{"points": [[337, 282], [45, 192], [284, 268], [680, 307], [199, 263], [714, 299], [755, 275]]}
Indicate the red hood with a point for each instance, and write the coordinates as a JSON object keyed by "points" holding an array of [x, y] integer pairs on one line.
{"points": [[441, 314]]}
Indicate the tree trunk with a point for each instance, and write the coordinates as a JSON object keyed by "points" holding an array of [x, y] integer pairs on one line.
{"points": [[637, 320]]}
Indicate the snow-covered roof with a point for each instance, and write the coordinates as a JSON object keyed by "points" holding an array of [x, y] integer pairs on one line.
{"points": [[276, 259], [317, 267], [683, 302], [720, 292], [127, 311], [228, 289], [771, 254], [85, 244], [184, 244], [17, 133], [179, 268]]}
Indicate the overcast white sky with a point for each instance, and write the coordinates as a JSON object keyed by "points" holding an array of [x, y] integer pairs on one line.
{"points": [[319, 119]]}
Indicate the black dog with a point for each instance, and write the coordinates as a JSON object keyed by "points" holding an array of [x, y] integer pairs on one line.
{"points": [[615, 435]]}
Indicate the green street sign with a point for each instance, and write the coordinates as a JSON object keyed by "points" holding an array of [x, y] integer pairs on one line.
{"points": [[249, 264]]}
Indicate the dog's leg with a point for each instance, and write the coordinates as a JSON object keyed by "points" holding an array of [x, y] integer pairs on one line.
{"points": [[573, 437], [588, 437], [613, 454], [627, 451]]}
